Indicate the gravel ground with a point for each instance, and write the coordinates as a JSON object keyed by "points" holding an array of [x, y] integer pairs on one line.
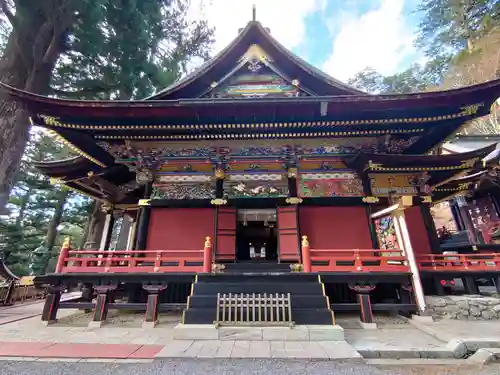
{"points": [[236, 367]]}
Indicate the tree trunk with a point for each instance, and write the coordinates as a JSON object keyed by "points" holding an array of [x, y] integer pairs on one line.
{"points": [[27, 63], [14, 122], [86, 230], [96, 227], [55, 221]]}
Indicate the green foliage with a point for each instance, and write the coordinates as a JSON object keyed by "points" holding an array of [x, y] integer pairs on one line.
{"points": [[450, 26], [109, 49], [33, 202], [124, 50], [415, 79], [448, 33]]}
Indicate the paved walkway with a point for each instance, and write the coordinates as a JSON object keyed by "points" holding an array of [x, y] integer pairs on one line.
{"points": [[9, 314], [127, 340]]}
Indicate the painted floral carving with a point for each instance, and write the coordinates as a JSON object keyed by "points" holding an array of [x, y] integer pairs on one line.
{"points": [[183, 191], [386, 233], [333, 187], [242, 190]]}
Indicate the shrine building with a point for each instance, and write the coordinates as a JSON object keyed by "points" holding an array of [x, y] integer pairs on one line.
{"points": [[260, 174]]}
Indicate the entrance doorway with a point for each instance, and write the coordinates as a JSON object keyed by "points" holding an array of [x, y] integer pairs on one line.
{"points": [[256, 236]]}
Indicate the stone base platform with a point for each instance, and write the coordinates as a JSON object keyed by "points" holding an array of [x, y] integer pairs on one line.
{"points": [[296, 333]]}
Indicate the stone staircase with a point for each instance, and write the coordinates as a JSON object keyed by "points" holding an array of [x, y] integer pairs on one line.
{"points": [[309, 305]]}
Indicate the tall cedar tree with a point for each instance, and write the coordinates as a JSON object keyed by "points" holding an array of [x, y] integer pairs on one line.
{"points": [[120, 44], [450, 26]]}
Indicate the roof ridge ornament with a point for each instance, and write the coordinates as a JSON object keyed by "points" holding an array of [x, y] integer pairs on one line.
{"points": [[254, 13]]}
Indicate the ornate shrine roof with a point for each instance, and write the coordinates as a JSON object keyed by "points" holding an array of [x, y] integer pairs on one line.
{"points": [[465, 143], [253, 100], [114, 184], [444, 174], [442, 170], [431, 117], [478, 181], [255, 40]]}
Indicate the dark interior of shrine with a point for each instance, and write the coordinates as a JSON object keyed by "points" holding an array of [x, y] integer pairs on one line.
{"points": [[256, 237]]}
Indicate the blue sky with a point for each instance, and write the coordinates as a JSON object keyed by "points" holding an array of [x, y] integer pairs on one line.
{"points": [[340, 37]]}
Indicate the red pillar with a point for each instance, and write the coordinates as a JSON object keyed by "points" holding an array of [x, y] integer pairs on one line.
{"points": [[207, 255], [63, 254], [306, 255]]}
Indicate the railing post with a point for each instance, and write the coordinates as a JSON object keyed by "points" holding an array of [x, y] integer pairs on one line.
{"points": [[306, 255], [63, 254], [358, 263], [207, 255]]}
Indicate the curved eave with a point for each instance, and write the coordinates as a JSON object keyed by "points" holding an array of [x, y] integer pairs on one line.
{"points": [[60, 168], [465, 143], [6, 273], [451, 100], [388, 161], [196, 83]]}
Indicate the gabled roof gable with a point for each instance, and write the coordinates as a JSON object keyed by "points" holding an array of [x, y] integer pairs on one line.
{"points": [[255, 39]]}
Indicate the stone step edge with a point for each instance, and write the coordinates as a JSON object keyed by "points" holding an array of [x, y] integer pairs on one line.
{"points": [[236, 333]]}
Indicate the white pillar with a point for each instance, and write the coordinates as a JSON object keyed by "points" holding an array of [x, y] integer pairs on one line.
{"points": [[399, 216], [105, 231], [131, 236]]}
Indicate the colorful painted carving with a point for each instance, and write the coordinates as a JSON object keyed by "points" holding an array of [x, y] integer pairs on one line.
{"points": [[183, 191], [384, 184], [255, 80], [258, 165], [331, 187], [262, 190], [386, 233], [146, 155]]}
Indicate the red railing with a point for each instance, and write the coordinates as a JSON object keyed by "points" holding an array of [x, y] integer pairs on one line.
{"points": [[122, 261], [459, 262], [352, 260], [357, 260]]}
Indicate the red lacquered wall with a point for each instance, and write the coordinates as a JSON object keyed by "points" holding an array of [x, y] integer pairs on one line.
{"points": [[180, 228], [335, 227], [418, 232]]}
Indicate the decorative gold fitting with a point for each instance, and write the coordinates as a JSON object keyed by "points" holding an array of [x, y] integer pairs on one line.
{"points": [[405, 201], [305, 241], [464, 186], [219, 174], [371, 199], [294, 200], [468, 163], [474, 248], [213, 85], [297, 267], [106, 207], [295, 82], [144, 202], [55, 181], [218, 268], [471, 109], [374, 166], [218, 202], [292, 172], [66, 243], [208, 242], [90, 174], [426, 199]]}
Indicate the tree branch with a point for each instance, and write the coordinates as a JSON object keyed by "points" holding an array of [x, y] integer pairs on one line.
{"points": [[10, 16], [83, 92], [60, 23]]}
